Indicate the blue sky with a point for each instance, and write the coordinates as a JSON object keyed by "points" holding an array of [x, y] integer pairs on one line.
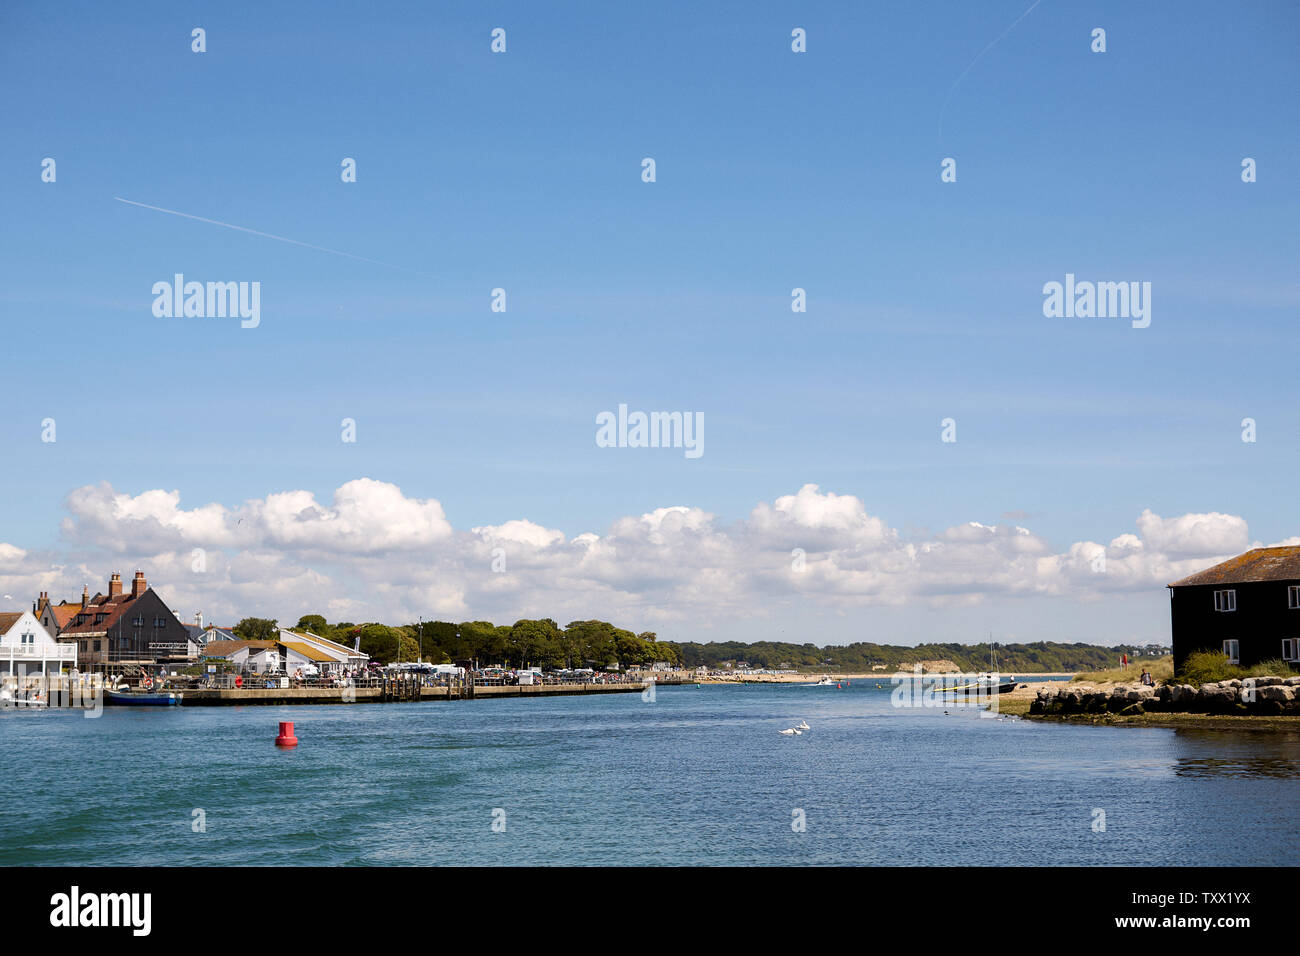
{"points": [[774, 170]]}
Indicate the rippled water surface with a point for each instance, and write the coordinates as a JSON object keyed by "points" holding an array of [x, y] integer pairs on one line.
{"points": [[698, 776]]}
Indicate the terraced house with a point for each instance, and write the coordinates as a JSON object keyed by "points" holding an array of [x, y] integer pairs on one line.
{"points": [[120, 628], [1248, 607]]}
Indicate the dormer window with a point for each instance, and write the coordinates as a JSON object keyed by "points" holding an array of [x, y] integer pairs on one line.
{"points": [[1225, 600]]}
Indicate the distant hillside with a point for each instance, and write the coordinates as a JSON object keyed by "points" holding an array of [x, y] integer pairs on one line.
{"points": [[1043, 656]]}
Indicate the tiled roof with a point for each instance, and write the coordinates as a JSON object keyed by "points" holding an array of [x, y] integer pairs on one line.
{"points": [[64, 612], [1262, 564], [308, 635], [309, 652], [8, 619], [112, 608]]}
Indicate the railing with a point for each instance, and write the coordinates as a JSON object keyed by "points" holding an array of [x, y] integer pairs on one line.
{"points": [[254, 681], [175, 649], [49, 652], [548, 679]]}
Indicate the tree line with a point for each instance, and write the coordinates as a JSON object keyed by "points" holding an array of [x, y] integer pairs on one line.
{"points": [[599, 644], [526, 643], [1039, 657]]}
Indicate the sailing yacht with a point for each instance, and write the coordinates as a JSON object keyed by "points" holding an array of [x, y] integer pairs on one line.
{"points": [[991, 682]]}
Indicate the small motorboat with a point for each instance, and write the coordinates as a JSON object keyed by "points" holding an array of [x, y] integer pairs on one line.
{"points": [[802, 725], [824, 682], [142, 698], [790, 732]]}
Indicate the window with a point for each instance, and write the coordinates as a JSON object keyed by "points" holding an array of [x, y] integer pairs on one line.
{"points": [[1293, 597], [1233, 649], [97, 645], [1291, 649], [159, 622], [29, 638], [138, 622], [1225, 600]]}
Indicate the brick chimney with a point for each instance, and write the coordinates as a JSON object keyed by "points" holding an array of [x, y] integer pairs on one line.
{"points": [[85, 596], [115, 585], [138, 585]]}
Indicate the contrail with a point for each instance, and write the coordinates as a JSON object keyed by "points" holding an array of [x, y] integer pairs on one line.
{"points": [[267, 235], [977, 59]]}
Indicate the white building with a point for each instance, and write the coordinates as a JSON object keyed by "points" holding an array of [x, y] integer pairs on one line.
{"points": [[238, 654], [330, 657], [27, 648], [265, 660]]}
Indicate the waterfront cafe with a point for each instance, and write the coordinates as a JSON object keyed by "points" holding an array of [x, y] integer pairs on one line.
{"points": [[330, 657], [300, 656], [241, 655], [27, 648]]}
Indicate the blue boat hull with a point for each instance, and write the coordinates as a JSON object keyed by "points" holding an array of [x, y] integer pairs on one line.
{"points": [[118, 698]]}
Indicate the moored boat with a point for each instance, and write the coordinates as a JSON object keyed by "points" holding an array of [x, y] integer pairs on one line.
{"points": [[985, 685], [135, 698]]}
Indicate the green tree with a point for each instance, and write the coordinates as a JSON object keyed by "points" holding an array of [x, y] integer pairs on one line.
{"points": [[384, 643], [589, 643], [314, 623], [536, 643], [256, 629], [632, 651]]}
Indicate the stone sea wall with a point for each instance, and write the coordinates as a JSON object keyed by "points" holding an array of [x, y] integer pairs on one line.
{"points": [[1258, 695]]}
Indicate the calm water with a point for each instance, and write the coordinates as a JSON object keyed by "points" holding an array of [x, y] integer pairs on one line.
{"points": [[700, 776]]}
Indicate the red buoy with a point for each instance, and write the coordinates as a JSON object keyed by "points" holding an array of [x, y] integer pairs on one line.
{"points": [[286, 738]]}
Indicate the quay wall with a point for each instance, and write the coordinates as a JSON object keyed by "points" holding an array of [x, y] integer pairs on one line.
{"points": [[288, 695], [544, 690], [212, 697]]}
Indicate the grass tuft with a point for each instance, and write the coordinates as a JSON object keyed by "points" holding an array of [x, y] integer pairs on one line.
{"points": [[1162, 669]]}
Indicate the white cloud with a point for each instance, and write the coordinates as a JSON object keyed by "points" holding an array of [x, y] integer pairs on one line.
{"points": [[372, 553], [1194, 534]]}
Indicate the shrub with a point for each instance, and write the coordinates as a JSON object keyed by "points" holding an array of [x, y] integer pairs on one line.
{"points": [[1204, 667]]}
